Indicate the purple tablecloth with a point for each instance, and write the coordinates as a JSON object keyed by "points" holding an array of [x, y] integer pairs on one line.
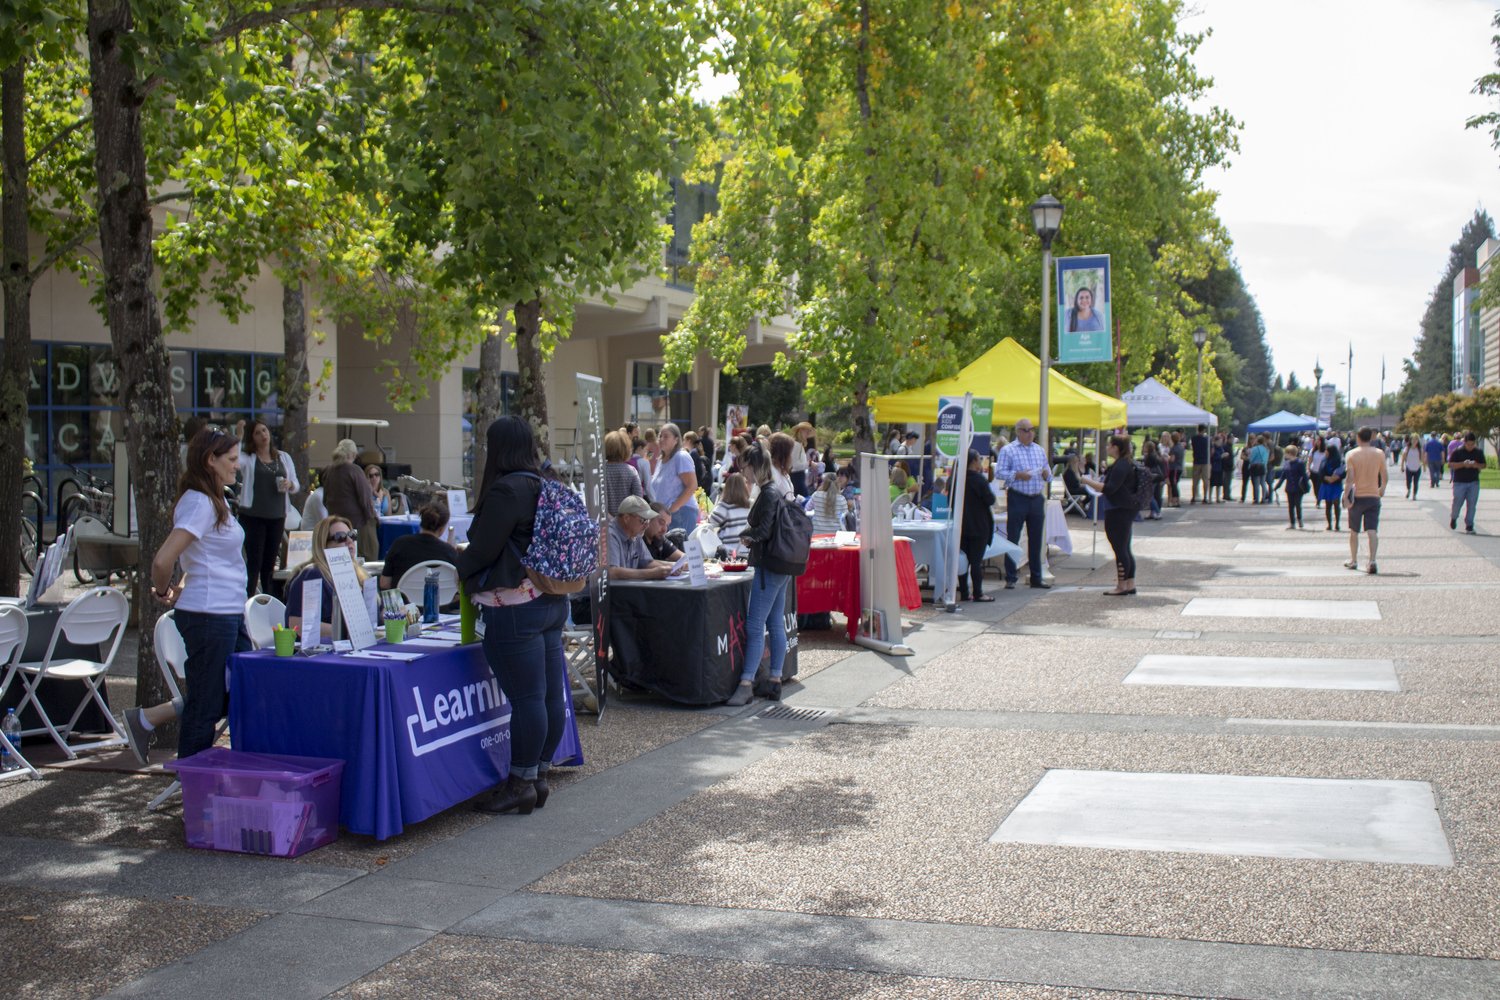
{"points": [[416, 737]]}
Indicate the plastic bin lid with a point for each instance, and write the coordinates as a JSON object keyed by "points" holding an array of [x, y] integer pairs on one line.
{"points": [[218, 760]]}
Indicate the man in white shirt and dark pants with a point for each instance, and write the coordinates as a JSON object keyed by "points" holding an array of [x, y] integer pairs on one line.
{"points": [[1024, 468]]}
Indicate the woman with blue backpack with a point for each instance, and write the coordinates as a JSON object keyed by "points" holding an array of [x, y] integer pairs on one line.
{"points": [[522, 522], [779, 534]]}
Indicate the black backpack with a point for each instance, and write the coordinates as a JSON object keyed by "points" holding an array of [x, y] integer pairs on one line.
{"points": [[1142, 488], [782, 537]]}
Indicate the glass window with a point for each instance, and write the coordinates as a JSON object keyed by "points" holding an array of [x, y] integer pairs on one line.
{"points": [[224, 381]]}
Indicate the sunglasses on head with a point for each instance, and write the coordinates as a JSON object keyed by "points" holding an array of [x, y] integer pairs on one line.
{"points": [[343, 536]]}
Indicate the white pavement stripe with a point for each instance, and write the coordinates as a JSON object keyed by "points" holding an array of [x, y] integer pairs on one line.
{"points": [[1450, 727], [1291, 547], [1282, 571], [1271, 608], [1394, 822], [1266, 672]]}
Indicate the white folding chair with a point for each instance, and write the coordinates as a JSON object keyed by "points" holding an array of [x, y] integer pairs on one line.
{"points": [[96, 616], [414, 579], [578, 650], [262, 612], [13, 633], [171, 660]]}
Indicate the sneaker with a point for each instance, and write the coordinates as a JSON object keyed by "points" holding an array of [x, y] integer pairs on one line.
{"points": [[1453, 524], [1470, 531], [136, 735], [1351, 564]]}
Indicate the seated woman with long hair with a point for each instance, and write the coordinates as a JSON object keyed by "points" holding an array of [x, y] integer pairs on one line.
{"points": [[827, 506], [331, 532]]}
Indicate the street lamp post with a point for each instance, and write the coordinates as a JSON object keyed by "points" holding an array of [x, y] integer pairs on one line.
{"points": [[1200, 338], [1046, 218], [1317, 389]]}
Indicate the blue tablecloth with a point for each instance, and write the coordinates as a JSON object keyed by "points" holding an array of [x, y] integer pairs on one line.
{"points": [[416, 737], [393, 526]]}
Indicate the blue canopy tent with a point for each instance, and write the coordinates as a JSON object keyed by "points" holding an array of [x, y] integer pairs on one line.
{"points": [[1283, 422]]}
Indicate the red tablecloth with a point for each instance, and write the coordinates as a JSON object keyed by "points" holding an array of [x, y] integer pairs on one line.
{"points": [[831, 582]]}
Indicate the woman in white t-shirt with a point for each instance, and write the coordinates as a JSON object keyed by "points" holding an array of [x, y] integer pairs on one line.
{"points": [[675, 479], [210, 599], [801, 434]]}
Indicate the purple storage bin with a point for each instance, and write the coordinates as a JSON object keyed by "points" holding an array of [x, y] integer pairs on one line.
{"points": [[259, 803]]}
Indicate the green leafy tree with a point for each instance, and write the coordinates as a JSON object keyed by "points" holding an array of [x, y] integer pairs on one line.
{"points": [[1243, 360], [878, 164]]}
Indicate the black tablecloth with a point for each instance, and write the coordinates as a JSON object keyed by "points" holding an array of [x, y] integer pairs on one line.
{"points": [[59, 697], [685, 643]]}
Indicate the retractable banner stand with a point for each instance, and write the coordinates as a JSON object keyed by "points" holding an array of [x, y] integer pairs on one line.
{"points": [[955, 431], [880, 611], [591, 454]]}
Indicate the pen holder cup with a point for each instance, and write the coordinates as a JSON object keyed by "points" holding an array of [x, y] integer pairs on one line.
{"points": [[286, 642], [395, 629]]}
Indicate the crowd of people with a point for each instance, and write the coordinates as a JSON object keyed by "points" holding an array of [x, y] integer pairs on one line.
{"points": [[215, 556]]}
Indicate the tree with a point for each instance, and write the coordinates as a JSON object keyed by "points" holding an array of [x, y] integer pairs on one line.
{"points": [[877, 167], [1429, 372], [1434, 415], [1243, 362], [1480, 413], [1291, 381]]}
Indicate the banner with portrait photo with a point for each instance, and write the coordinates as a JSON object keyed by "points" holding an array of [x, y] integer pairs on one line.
{"points": [[1084, 332]]}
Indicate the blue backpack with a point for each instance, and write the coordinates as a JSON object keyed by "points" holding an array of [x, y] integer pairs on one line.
{"points": [[564, 547]]}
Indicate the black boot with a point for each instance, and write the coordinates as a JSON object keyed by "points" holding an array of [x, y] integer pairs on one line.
{"points": [[517, 793], [542, 788]]}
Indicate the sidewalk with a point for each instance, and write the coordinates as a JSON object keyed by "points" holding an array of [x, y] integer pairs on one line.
{"points": [[889, 838]]}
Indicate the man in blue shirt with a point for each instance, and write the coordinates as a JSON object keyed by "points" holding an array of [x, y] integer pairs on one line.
{"points": [[1024, 469], [1434, 452]]}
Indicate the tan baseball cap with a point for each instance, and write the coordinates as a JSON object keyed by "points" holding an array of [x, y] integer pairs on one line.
{"points": [[635, 505]]}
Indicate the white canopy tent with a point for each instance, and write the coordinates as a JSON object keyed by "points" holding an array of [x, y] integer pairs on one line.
{"points": [[1152, 404]]}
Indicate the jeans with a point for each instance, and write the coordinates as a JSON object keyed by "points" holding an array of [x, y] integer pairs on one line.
{"points": [[1022, 510], [1465, 493], [1118, 524], [1294, 508], [1257, 484], [209, 640], [523, 645], [767, 612], [1436, 468], [1413, 480], [262, 546], [686, 518]]}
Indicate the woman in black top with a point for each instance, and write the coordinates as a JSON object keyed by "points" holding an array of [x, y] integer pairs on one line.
{"points": [[1118, 488], [977, 530], [1152, 461], [522, 627]]}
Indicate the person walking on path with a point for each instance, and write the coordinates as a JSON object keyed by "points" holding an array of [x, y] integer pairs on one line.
{"points": [[1294, 478], [1412, 462], [1331, 492], [1434, 451], [1465, 464], [1367, 477], [1258, 455], [1200, 464], [1023, 467], [1315, 461], [1118, 487], [977, 529]]}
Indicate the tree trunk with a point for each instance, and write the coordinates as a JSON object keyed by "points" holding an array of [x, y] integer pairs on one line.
{"points": [[296, 386], [531, 385], [489, 402], [864, 428], [15, 367], [125, 233]]}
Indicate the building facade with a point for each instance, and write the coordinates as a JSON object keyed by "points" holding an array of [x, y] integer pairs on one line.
{"points": [[1488, 256], [225, 371], [1468, 346]]}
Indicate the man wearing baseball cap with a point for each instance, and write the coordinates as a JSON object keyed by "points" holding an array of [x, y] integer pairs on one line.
{"points": [[629, 558]]}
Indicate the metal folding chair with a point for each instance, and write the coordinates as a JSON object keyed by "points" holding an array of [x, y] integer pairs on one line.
{"points": [[13, 633], [96, 616], [262, 613]]}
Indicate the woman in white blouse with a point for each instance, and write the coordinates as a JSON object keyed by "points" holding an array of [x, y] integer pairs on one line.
{"points": [[210, 599], [267, 481]]}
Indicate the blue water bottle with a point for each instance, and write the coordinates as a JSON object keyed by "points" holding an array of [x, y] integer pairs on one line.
{"points": [[430, 595]]}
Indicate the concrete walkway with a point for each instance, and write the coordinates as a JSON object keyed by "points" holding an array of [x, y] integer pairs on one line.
{"points": [[867, 844]]}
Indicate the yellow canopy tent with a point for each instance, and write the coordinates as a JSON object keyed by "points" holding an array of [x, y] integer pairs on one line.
{"points": [[1011, 375]]}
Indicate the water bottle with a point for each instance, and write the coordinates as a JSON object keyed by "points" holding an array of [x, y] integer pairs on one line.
{"points": [[430, 595], [12, 730]]}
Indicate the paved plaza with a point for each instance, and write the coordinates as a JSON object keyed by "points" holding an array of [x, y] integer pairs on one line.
{"points": [[1266, 776]]}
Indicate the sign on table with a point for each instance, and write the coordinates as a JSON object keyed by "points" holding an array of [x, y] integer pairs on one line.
{"points": [[351, 598], [458, 502], [312, 613], [694, 551]]}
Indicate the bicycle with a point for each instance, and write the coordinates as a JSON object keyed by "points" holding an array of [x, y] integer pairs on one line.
{"points": [[31, 529]]}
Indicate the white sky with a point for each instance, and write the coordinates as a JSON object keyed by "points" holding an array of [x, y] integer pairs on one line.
{"points": [[1355, 173]]}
